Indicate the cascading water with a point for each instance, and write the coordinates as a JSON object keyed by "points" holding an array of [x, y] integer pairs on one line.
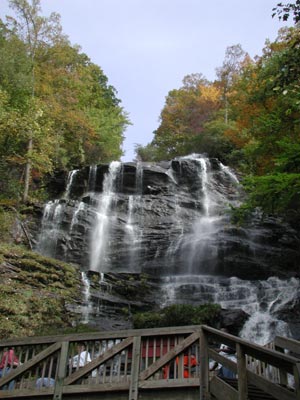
{"points": [[52, 219], [133, 233], [260, 299], [86, 308], [200, 250], [100, 235], [70, 180], [171, 221], [50, 228], [196, 248], [92, 178]]}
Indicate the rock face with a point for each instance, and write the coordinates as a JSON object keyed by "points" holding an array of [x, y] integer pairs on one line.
{"points": [[169, 220]]}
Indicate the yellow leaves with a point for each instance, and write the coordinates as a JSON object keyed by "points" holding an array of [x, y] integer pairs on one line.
{"points": [[210, 93]]}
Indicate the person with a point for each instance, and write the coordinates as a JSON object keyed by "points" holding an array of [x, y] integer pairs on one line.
{"points": [[189, 364], [8, 361], [48, 378], [81, 358], [229, 353]]}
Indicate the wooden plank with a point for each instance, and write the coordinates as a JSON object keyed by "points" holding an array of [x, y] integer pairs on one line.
{"points": [[169, 356], [176, 330], [29, 364], [221, 390], [269, 356], [61, 373], [242, 373], [110, 353], [204, 366], [134, 382], [223, 360], [103, 387], [278, 392], [287, 344], [168, 383], [21, 393], [297, 380]]}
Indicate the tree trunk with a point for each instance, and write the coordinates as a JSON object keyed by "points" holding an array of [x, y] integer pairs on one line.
{"points": [[27, 172]]}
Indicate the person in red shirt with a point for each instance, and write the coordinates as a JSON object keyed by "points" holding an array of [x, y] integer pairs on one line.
{"points": [[8, 361], [189, 363]]}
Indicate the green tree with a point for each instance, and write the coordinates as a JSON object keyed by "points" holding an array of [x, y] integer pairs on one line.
{"points": [[34, 30], [57, 109]]}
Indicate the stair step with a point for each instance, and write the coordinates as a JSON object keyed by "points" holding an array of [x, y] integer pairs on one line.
{"points": [[254, 393]]}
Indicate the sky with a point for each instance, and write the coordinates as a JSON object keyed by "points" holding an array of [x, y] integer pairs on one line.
{"points": [[146, 47]]}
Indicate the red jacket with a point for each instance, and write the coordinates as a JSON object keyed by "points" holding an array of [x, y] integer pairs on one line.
{"points": [[9, 359]]}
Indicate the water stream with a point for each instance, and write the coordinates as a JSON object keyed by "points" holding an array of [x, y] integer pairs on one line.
{"points": [[175, 234]]}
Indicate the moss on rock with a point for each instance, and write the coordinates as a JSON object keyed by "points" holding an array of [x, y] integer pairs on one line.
{"points": [[35, 292]]}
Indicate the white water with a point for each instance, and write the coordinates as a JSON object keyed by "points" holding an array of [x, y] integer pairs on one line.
{"points": [[71, 177], [133, 233], [197, 246], [139, 178], [92, 178], [193, 243], [260, 299], [100, 234], [206, 201], [50, 228], [75, 219], [227, 171], [87, 305]]}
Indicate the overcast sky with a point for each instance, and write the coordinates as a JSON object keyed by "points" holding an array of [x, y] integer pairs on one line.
{"points": [[146, 47]]}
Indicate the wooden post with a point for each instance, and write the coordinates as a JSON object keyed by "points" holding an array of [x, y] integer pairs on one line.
{"points": [[242, 373], [204, 373], [297, 380], [62, 366], [282, 374], [135, 369]]}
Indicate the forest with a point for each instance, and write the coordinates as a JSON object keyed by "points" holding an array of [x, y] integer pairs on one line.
{"points": [[57, 109], [58, 112]]}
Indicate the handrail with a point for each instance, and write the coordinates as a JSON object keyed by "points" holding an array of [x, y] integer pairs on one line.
{"points": [[142, 360], [279, 361], [273, 357], [99, 335], [118, 361]]}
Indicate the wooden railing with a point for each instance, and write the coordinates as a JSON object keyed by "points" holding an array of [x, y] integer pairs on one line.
{"points": [[170, 363], [122, 363], [278, 362]]}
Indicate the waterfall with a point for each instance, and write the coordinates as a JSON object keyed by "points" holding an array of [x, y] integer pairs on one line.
{"points": [[70, 180], [260, 299], [75, 218], [50, 228], [227, 171], [203, 176], [133, 234], [171, 220], [139, 178], [92, 178], [100, 235], [52, 220], [196, 248], [86, 308]]}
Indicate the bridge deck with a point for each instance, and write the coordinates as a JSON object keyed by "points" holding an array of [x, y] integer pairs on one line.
{"points": [[165, 363]]}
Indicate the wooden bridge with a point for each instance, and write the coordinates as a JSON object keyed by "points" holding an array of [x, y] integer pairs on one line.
{"points": [[149, 364]]}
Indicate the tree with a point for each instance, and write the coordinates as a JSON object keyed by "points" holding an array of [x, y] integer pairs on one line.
{"points": [[35, 31], [184, 115], [232, 65], [284, 11], [55, 95]]}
